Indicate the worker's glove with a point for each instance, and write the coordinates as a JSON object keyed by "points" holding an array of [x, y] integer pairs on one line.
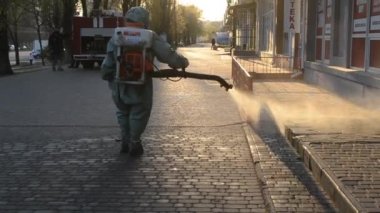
{"points": [[181, 62], [185, 62]]}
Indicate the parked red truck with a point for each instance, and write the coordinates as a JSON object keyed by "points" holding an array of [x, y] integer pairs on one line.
{"points": [[90, 37]]}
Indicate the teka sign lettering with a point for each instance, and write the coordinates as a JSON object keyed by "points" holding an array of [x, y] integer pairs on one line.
{"points": [[292, 15]]}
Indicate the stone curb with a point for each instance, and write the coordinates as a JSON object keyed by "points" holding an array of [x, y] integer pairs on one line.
{"points": [[251, 137], [328, 181]]}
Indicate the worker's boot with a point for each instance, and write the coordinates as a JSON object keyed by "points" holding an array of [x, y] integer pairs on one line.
{"points": [[136, 149], [124, 145]]}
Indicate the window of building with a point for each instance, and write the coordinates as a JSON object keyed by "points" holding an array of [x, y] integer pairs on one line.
{"points": [[327, 29], [320, 32], [245, 29], [266, 25], [339, 41], [374, 36], [359, 48], [359, 30], [267, 32]]}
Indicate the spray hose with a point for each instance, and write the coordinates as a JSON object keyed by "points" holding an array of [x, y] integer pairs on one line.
{"points": [[171, 73]]}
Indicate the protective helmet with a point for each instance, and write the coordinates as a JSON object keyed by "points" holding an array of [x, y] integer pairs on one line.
{"points": [[137, 14]]}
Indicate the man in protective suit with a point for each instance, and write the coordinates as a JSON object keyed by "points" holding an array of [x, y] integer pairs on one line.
{"points": [[134, 102]]}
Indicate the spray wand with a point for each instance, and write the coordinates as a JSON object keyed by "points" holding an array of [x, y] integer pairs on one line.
{"points": [[171, 73]]}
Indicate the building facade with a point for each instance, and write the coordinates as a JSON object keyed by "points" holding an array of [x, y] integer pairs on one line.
{"points": [[335, 43], [343, 48], [241, 20]]}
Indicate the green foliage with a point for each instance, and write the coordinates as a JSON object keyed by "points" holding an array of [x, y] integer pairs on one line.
{"points": [[210, 27], [192, 23], [51, 13], [180, 23]]}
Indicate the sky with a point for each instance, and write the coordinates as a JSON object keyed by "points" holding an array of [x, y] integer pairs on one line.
{"points": [[213, 10]]}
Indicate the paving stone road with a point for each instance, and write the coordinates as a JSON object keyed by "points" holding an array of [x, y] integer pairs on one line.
{"points": [[60, 154], [196, 154]]}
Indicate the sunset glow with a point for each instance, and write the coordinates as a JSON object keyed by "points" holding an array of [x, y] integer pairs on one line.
{"points": [[213, 10]]}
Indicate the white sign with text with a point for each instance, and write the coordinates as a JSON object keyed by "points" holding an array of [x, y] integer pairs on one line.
{"points": [[292, 15]]}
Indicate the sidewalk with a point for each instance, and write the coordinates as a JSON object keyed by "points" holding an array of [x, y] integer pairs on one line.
{"points": [[25, 68], [337, 141]]}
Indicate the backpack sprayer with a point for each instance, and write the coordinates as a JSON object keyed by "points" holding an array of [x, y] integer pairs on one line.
{"points": [[133, 63]]}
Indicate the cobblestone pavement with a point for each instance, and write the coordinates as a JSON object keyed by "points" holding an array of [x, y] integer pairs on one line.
{"points": [[290, 186], [336, 140], [182, 170], [196, 154], [351, 160], [197, 158]]}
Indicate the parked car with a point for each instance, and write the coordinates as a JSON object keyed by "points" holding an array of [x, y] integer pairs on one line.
{"points": [[36, 53]]}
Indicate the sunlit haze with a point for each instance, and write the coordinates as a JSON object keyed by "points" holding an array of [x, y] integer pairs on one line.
{"points": [[213, 10]]}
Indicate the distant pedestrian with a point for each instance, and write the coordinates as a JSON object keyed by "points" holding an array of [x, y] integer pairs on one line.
{"points": [[56, 49], [213, 43], [31, 58]]}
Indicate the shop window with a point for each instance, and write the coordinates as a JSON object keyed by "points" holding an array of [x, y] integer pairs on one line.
{"points": [[244, 29], [319, 49], [375, 54], [320, 24], [357, 55], [339, 35], [374, 61], [267, 32], [359, 33], [327, 49], [375, 16]]}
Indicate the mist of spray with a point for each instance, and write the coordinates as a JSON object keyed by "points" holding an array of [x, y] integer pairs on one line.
{"points": [[319, 111]]}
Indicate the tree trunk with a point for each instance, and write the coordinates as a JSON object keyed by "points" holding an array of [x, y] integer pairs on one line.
{"points": [[96, 5], [84, 7], [130, 3], [105, 4], [38, 24], [39, 40], [5, 65], [68, 12], [125, 6], [13, 33], [17, 53]]}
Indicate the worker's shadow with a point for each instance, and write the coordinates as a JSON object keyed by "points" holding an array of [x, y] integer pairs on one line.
{"points": [[268, 130], [123, 179]]}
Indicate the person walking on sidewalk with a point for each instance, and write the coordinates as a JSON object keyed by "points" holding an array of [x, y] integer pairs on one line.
{"points": [[134, 102], [56, 49]]}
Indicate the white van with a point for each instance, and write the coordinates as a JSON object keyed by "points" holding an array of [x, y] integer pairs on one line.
{"points": [[36, 51]]}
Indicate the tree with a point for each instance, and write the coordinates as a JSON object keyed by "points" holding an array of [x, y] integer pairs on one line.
{"points": [[162, 18], [193, 25], [84, 7], [15, 13], [69, 9], [96, 4], [210, 27], [34, 7], [5, 65], [51, 13], [130, 3]]}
